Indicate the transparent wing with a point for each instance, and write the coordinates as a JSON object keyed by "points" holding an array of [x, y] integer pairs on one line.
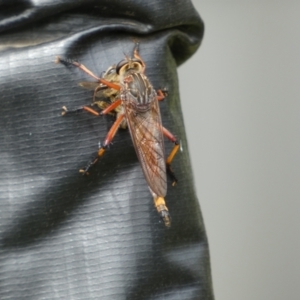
{"points": [[90, 85], [146, 133]]}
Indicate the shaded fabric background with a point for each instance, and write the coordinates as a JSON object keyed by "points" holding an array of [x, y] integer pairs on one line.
{"points": [[65, 236]]}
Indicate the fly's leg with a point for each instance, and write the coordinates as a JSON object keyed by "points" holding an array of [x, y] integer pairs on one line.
{"points": [[137, 56], [160, 204], [87, 71], [78, 109], [111, 107], [162, 94], [171, 156], [105, 111], [109, 137]]}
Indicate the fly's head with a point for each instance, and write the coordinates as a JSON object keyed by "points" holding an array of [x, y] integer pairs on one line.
{"points": [[130, 66]]}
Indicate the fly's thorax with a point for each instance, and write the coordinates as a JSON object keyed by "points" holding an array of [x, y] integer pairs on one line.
{"points": [[137, 89]]}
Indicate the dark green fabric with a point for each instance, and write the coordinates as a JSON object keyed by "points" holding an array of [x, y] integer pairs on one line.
{"points": [[65, 236]]}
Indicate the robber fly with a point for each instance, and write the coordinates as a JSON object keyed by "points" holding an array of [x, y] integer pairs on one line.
{"points": [[135, 103]]}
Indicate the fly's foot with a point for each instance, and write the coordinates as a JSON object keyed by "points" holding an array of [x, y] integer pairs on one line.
{"points": [[171, 175], [165, 91], [57, 59], [85, 171], [65, 110]]}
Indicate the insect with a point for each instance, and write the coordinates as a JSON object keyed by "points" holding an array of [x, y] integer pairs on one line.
{"points": [[135, 103]]}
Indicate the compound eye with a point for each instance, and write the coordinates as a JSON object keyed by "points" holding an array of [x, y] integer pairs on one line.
{"points": [[136, 60], [120, 65], [111, 70], [137, 65]]}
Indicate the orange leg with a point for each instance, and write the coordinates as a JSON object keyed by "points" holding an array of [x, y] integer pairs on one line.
{"points": [[109, 137], [171, 156], [111, 107], [92, 111], [87, 71], [161, 94]]}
